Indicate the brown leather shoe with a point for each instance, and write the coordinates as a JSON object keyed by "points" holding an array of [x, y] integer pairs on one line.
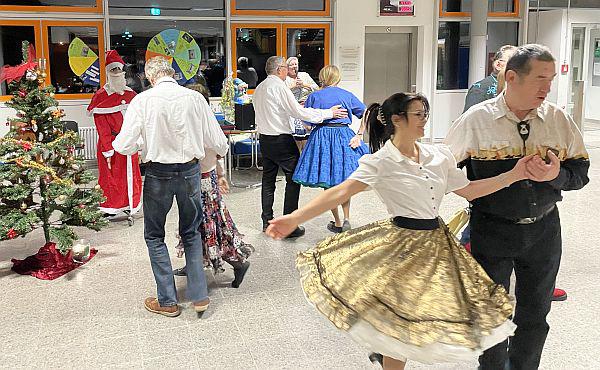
{"points": [[152, 305], [201, 306]]}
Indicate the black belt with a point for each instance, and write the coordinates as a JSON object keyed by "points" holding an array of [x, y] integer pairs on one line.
{"points": [[416, 223], [332, 125], [193, 161], [524, 220]]}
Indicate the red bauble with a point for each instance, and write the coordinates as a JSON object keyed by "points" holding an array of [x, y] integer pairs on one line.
{"points": [[11, 234], [82, 206], [22, 93], [26, 145]]}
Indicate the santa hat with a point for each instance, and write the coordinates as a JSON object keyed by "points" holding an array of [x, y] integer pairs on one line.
{"points": [[113, 59]]}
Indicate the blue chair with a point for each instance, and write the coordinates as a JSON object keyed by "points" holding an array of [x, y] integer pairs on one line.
{"points": [[244, 148]]}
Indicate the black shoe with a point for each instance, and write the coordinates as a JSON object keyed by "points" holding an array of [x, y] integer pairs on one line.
{"points": [[265, 225], [376, 358], [296, 233], [239, 272], [334, 229], [180, 272]]}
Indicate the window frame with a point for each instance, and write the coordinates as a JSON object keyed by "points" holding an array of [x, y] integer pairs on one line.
{"points": [[302, 13], [101, 51], [39, 49], [327, 37], [98, 8], [513, 14]]}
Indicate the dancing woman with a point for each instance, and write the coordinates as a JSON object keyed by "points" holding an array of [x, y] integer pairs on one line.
{"points": [[403, 286]]}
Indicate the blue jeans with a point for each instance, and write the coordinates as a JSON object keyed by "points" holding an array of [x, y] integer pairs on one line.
{"points": [[162, 183]]}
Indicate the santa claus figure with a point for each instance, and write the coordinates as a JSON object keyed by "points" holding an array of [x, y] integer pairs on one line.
{"points": [[118, 175]]}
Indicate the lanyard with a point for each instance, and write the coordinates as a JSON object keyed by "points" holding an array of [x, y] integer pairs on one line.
{"points": [[524, 130]]}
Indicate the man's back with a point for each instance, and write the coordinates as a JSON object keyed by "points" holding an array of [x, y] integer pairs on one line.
{"points": [[481, 91]]}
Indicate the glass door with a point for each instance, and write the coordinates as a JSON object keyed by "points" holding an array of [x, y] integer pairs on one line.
{"points": [[577, 58], [256, 43]]}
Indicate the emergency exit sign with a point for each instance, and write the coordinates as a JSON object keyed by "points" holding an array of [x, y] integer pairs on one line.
{"points": [[396, 7]]}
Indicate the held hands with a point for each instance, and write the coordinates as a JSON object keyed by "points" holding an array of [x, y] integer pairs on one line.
{"points": [[540, 171], [339, 112], [281, 227]]}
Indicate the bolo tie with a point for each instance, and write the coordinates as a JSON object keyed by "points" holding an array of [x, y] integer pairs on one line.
{"points": [[524, 130]]}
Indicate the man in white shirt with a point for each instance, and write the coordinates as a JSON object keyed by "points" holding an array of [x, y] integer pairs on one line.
{"points": [[171, 125], [274, 104]]}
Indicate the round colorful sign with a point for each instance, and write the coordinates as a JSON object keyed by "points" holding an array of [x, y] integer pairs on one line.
{"points": [[84, 62], [180, 48]]}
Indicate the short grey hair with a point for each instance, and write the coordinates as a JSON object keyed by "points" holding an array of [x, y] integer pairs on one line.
{"points": [[158, 67], [291, 59], [520, 60], [273, 63]]}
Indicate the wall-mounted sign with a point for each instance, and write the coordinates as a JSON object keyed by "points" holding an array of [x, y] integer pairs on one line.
{"points": [[396, 7], [349, 63]]}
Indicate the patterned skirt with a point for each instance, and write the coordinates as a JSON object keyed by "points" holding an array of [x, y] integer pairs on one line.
{"points": [[328, 160], [221, 239], [408, 294]]}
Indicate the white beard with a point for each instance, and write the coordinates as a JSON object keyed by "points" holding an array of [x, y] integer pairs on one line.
{"points": [[117, 81]]}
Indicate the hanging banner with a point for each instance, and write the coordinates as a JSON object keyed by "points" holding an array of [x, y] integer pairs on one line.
{"points": [[396, 7]]}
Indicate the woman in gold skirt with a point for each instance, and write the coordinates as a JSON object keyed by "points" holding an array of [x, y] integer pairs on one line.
{"points": [[404, 287]]}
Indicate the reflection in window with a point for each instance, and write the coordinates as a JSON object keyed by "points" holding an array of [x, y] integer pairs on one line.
{"points": [[256, 44], [496, 6], [81, 3], [453, 50], [290, 5], [196, 49], [11, 53], [453, 55], [74, 59], [308, 44], [188, 8]]}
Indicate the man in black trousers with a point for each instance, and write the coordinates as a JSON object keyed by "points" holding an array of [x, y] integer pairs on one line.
{"points": [[518, 228], [274, 104]]}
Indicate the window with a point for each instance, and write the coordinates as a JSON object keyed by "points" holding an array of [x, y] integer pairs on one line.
{"points": [[502, 8], [453, 50], [280, 7], [188, 8], [52, 5], [12, 34], [592, 4], [75, 57], [310, 44], [197, 49], [258, 42]]}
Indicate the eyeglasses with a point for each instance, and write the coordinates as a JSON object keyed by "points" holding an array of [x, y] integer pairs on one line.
{"points": [[420, 115]]}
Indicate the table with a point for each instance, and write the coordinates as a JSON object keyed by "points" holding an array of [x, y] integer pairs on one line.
{"points": [[253, 152]]}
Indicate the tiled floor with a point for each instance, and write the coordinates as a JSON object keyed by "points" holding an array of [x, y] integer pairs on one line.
{"points": [[94, 318]]}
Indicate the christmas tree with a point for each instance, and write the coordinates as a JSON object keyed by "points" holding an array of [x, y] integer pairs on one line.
{"points": [[42, 181]]}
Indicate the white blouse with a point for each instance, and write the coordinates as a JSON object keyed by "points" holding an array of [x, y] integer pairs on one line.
{"points": [[407, 188]]}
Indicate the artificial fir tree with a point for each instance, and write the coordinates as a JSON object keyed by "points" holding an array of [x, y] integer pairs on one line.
{"points": [[42, 181]]}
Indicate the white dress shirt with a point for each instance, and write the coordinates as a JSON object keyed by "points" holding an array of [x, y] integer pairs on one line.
{"points": [[300, 92], [274, 104], [170, 124], [408, 188]]}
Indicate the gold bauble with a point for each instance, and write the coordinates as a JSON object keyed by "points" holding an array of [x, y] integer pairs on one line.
{"points": [[23, 206], [97, 187]]}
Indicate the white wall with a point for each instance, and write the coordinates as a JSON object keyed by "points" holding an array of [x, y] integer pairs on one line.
{"points": [[353, 16], [75, 110]]}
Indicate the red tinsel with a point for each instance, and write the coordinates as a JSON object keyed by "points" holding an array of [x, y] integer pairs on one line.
{"points": [[48, 263], [10, 74]]}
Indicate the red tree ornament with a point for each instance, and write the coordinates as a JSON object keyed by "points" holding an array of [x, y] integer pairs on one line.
{"points": [[26, 145], [11, 234]]}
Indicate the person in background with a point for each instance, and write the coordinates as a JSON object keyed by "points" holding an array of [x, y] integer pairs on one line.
{"points": [[172, 125], [274, 105], [118, 175], [301, 85], [221, 239], [246, 73], [518, 228], [332, 151]]}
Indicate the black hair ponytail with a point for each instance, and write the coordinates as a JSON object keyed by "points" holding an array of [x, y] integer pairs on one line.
{"points": [[378, 131]]}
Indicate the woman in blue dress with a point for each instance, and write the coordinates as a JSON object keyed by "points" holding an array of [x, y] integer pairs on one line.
{"points": [[333, 148]]}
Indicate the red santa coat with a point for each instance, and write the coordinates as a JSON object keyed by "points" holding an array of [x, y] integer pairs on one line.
{"points": [[122, 184]]}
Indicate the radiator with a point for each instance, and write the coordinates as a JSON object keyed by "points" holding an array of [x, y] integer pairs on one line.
{"points": [[89, 137]]}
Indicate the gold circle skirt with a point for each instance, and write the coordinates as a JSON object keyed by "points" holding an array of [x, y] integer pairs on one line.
{"points": [[408, 294]]}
